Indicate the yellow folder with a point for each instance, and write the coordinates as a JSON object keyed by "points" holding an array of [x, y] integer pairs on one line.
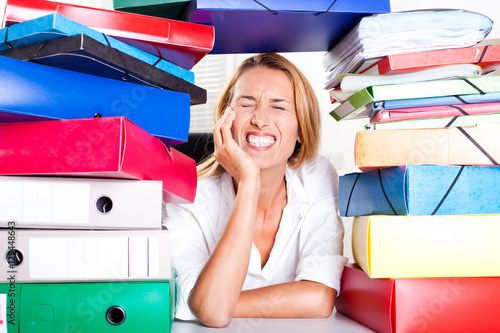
{"points": [[427, 246]]}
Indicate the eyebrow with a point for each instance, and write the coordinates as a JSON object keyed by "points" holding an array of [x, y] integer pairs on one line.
{"points": [[273, 100]]}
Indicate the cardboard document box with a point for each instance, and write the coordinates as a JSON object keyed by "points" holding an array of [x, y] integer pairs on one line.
{"points": [[36, 255], [83, 54], [32, 91], [283, 26], [421, 190], [181, 43], [124, 306], [387, 246], [56, 26], [420, 305], [110, 147], [449, 146], [80, 203]]}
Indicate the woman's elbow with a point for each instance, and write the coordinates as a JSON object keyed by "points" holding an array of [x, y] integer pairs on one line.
{"points": [[325, 301], [216, 320], [209, 315]]}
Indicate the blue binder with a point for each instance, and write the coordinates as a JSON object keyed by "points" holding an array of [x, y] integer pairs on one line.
{"points": [[56, 26], [32, 91], [421, 190], [83, 54], [280, 26], [436, 101]]}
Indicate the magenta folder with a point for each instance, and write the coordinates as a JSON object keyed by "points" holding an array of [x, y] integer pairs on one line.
{"points": [[435, 111], [108, 147]]}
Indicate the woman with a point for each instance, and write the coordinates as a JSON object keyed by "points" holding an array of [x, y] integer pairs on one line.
{"points": [[263, 237]]}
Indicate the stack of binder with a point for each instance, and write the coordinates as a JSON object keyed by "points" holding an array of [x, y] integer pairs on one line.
{"points": [[426, 217], [87, 123]]}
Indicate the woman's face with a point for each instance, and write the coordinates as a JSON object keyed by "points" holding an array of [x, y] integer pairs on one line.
{"points": [[266, 125]]}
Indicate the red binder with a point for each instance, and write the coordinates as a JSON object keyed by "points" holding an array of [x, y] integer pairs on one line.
{"points": [[179, 42], [433, 305], [485, 56], [108, 147]]}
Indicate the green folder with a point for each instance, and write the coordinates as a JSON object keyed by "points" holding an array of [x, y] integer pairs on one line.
{"points": [[115, 306], [479, 120], [171, 9], [359, 104]]}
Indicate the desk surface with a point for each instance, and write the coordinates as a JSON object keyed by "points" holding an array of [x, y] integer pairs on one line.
{"points": [[335, 323]]}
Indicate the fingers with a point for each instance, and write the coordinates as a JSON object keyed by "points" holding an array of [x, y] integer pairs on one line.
{"points": [[217, 130], [222, 130]]}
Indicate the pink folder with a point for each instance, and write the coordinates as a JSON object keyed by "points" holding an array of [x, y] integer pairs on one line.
{"points": [[435, 111], [108, 147]]}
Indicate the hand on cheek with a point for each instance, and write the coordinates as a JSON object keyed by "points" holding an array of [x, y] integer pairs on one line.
{"points": [[227, 151]]}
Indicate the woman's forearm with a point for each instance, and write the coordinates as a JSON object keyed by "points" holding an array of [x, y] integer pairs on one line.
{"points": [[298, 299], [216, 292]]}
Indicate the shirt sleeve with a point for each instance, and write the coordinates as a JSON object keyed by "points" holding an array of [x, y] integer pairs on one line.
{"points": [[322, 232], [189, 252]]}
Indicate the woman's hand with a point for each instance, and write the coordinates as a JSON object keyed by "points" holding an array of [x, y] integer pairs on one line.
{"points": [[229, 154]]}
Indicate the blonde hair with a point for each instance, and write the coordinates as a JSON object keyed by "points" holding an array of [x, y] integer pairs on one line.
{"points": [[306, 104]]}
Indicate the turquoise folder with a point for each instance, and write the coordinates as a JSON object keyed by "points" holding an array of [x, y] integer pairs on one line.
{"points": [[55, 26]]}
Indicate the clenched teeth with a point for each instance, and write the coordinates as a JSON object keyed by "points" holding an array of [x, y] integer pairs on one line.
{"points": [[260, 141]]}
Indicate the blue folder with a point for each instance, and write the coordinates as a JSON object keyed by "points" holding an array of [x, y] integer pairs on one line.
{"points": [[54, 26], [83, 54], [280, 26], [436, 101], [421, 190], [32, 91]]}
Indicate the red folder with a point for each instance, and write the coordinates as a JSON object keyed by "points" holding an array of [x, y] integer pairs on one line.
{"points": [[434, 305], [435, 112], [108, 147], [485, 56], [179, 42]]}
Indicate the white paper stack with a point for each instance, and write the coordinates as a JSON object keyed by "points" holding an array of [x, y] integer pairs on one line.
{"points": [[381, 35]]}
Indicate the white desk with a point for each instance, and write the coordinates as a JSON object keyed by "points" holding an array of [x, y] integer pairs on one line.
{"points": [[336, 323]]}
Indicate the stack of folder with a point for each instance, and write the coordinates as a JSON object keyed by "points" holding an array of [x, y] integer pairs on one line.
{"points": [[87, 125], [249, 26], [425, 207]]}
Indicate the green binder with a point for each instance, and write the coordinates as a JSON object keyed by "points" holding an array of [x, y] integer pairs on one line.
{"points": [[359, 104], [171, 9], [115, 306]]}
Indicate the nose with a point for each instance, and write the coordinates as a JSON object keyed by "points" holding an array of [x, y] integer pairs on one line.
{"points": [[260, 117]]}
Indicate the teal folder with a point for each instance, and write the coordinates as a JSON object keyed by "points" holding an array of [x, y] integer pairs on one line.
{"points": [[87, 307]]}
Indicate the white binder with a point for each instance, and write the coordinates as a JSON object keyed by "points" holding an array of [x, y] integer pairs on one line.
{"points": [[40, 255], [80, 203]]}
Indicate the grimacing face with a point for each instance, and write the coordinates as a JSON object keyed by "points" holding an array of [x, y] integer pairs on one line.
{"points": [[266, 125]]}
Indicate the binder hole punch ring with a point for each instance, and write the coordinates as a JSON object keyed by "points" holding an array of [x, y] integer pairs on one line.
{"points": [[104, 204], [115, 315], [13, 257]]}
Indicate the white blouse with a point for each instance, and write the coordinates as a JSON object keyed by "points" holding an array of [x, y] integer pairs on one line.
{"points": [[308, 244]]}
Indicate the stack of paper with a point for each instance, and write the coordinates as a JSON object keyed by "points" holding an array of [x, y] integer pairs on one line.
{"points": [[87, 122], [381, 35]]}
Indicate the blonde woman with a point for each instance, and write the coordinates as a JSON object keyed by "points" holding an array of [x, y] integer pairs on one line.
{"points": [[263, 237]]}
